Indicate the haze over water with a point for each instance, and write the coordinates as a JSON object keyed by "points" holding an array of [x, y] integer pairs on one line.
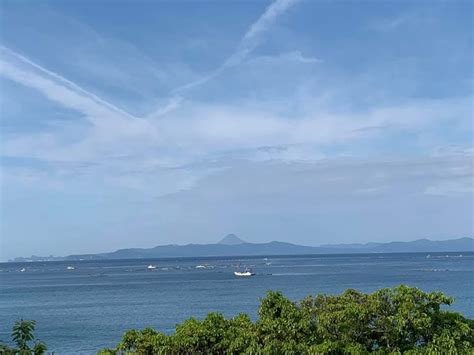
{"points": [[89, 308]]}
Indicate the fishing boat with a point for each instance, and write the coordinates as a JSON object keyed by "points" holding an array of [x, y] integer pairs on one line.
{"points": [[151, 267], [246, 273]]}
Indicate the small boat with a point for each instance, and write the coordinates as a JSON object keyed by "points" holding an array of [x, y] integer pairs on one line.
{"points": [[70, 268], [244, 273], [22, 270], [151, 267]]}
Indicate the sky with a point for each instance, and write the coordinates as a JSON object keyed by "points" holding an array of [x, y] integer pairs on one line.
{"points": [[140, 123]]}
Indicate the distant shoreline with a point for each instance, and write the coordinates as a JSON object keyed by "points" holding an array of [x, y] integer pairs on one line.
{"points": [[437, 254]]}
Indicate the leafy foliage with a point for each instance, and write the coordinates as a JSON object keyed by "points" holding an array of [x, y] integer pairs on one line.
{"points": [[22, 335], [399, 320]]}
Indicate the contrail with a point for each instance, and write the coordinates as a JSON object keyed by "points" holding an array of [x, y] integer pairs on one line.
{"points": [[69, 83], [247, 44]]}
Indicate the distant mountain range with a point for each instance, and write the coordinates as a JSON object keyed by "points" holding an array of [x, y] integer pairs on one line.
{"points": [[231, 245]]}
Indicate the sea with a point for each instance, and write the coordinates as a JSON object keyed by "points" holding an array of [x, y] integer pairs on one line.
{"points": [[90, 307]]}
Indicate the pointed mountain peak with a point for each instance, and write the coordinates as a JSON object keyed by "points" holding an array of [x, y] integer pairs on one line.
{"points": [[231, 239]]}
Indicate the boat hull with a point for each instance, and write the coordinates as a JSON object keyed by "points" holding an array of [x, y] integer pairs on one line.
{"points": [[243, 274]]}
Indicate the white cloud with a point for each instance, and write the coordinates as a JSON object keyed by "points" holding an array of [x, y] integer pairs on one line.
{"points": [[196, 130], [175, 152]]}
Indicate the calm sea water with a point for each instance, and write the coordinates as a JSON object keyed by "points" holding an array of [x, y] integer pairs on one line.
{"points": [[83, 310]]}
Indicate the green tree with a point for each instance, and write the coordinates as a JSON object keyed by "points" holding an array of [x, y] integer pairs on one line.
{"points": [[22, 335], [389, 321]]}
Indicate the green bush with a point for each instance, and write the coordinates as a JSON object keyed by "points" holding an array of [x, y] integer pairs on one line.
{"points": [[390, 321]]}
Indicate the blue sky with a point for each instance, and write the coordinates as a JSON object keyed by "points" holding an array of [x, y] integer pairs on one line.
{"points": [[138, 123]]}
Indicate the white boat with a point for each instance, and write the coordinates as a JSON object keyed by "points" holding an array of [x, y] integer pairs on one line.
{"points": [[22, 270], [151, 267], [246, 273], [70, 268]]}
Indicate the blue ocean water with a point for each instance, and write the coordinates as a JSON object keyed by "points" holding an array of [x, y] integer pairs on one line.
{"points": [[88, 308]]}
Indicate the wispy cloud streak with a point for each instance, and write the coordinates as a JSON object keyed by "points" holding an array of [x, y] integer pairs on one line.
{"points": [[253, 36], [248, 43], [55, 86]]}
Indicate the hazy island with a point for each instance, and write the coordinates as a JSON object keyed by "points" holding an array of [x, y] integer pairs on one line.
{"points": [[231, 245]]}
